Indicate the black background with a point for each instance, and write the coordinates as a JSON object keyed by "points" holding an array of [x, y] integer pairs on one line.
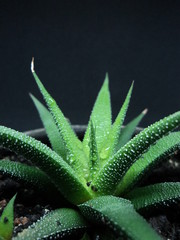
{"points": [[75, 42]]}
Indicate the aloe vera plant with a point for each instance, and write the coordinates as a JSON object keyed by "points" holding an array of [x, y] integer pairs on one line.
{"points": [[99, 175]]}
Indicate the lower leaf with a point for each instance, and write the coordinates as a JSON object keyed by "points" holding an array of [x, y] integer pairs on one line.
{"points": [[163, 148], [154, 195], [29, 175], [119, 215], [7, 221], [56, 224], [62, 175]]}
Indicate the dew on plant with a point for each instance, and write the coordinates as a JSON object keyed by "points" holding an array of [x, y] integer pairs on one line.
{"points": [[81, 171]]}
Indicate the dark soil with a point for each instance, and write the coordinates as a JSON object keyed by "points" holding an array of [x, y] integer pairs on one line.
{"points": [[30, 204]]}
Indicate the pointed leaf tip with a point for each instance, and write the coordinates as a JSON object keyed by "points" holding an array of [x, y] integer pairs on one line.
{"points": [[7, 220], [101, 116], [111, 144], [145, 111], [106, 80], [132, 84], [32, 65]]}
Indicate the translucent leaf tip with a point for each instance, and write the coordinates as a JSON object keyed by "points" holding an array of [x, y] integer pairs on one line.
{"points": [[145, 111], [32, 65]]}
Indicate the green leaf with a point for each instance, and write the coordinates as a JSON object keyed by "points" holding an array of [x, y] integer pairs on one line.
{"points": [[93, 153], [163, 148], [7, 221], [111, 143], [154, 195], [62, 175], [54, 136], [100, 116], [110, 176], [129, 129], [75, 155], [29, 175], [118, 214], [55, 225]]}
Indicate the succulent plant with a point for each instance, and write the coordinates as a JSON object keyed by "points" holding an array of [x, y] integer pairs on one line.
{"points": [[100, 175]]}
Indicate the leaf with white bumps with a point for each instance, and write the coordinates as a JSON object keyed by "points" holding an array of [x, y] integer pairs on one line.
{"points": [[154, 195], [29, 175], [62, 175], [111, 143], [163, 148], [93, 153], [100, 116], [54, 136], [55, 225], [104, 163], [75, 155], [119, 215], [110, 176]]}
